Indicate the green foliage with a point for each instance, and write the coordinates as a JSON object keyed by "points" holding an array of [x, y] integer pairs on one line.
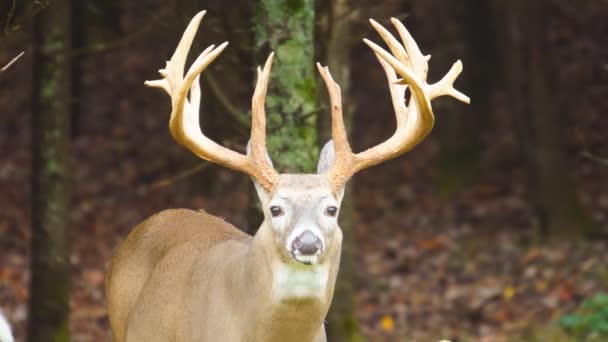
{"points": [[63, 332], [590, 321], [287, 27]]}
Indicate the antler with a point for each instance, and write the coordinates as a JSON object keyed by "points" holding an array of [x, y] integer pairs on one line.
{"points": [[414, 120], [184, 123]]}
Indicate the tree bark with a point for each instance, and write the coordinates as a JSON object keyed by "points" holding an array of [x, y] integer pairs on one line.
{"points": [[94, 24], [559, 209], [335, 31], [539, 122], [49, 288], [287, 28], [467, 33]]}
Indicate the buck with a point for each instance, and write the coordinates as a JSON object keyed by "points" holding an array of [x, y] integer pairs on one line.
{"points": [[185, 275]]}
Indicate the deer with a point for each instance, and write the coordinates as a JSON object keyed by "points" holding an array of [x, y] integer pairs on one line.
{"points": [[6, 335], [185, 275]]}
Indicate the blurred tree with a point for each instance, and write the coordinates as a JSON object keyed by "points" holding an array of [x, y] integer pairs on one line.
{"points": [[287, 28], [49, 292], [14, 14], [95, 24], [529, 70], [335, 19], [466, 33]]}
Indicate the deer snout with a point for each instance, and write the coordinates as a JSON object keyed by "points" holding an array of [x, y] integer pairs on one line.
{"points": [[307, 243]]}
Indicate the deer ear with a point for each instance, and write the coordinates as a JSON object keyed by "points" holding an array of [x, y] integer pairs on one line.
{"points": [[326, 159]]}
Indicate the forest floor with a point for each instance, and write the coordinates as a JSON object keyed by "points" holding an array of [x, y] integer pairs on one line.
{"points": [[465, 266]]}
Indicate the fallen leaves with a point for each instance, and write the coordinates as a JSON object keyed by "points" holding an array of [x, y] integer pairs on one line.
{"points": [[387, 324], [508, 293]]}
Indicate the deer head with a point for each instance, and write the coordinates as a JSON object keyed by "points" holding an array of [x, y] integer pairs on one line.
{"points": [[301, 210]]}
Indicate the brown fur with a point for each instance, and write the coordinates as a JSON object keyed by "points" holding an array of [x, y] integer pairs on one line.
{"points": [[184, 275]]}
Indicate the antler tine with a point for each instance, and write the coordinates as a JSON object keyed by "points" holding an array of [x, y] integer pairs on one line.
{"points": [[445, 86], [344, 157], [409, 76], [268, 176], [415, 120], [412, 79], [187, 112], [184, 122], [178, 60], [396, 48], [338, 130], [397, 91], [419, 61], [420, 65]]}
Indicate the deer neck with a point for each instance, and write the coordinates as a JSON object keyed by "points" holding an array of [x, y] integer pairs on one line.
{"points": [[278, 298]]}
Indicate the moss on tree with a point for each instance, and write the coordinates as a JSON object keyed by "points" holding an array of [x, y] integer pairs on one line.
{"points": [[287, 27], [49, 291]]}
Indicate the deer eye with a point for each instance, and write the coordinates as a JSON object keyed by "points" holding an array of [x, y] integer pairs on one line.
{"points": [[331, 211], [275, 211]]}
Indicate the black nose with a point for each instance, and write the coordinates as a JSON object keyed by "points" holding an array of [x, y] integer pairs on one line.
{"points": [[307, 243]]}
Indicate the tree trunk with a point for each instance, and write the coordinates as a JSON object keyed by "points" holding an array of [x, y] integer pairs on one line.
{"points": [[49, 296], [94, 23], [287, 28], [467, 33], [539, 122], [559, 209], [335, 31]]}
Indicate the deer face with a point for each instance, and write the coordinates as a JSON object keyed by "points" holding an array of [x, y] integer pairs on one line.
{"points": [[302, 214]]}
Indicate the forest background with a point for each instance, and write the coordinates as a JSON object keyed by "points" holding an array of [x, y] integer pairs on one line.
{"points": [[495, 228]]}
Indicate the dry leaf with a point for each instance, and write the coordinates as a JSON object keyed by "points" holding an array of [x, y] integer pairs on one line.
{"points": [[387, 324]]}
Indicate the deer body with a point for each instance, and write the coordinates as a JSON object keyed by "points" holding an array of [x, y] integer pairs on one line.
{"points": [[184, 275], [188, 285]]}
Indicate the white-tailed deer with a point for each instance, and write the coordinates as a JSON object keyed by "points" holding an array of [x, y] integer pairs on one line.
{"points": [[185, 275], [6, 335]]}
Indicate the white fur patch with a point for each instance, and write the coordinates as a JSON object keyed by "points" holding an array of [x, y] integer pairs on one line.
{"points": [[5, 330], [298, 281]]}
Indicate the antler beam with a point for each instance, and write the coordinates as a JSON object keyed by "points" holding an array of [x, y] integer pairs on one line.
{"points": [[184, 122]]}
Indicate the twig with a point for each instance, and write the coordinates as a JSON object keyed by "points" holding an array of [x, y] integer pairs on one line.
{"points": [[10, 15], [593, 157], [12, 61], [223, 100], [184, 174], [30, 11]]}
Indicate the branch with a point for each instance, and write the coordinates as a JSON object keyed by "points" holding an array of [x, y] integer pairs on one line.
{"points": [[8, 65], [224, 101], [589, 155], [10, 15], [184, 174], [12, 23]]}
